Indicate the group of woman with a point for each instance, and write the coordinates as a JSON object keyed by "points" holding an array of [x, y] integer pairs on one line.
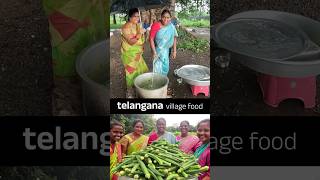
{"points": [[162, 38], [136, 141]]}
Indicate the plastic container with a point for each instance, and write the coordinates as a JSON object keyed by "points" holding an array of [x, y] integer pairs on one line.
{"points": [[93, 70], [222, 61]]}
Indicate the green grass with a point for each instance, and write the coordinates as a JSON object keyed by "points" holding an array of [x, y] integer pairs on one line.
{"points": [[187, 42], [120, 22], [115, 26], [203, 23]]}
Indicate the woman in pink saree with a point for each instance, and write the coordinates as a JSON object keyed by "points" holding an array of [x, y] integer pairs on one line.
{"points": [[187, 141]]}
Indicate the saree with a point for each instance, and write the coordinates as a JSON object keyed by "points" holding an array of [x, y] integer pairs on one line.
{"points": [[203, 155], [115, 158], [73, 25], [152, 137], [136, 145], [166, 136], [131, 55], [187, 144], [164, 41]]}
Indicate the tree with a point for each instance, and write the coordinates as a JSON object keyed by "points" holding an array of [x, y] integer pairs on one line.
{"points": [[172, 6], [193, 8], [192, 128], [128, 119], [172, 129], [114, 19]]}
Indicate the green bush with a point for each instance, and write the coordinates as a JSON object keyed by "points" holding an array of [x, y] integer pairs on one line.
{"points": [[116, 26], [188, 42], [202, 23], [120, 21], [190, 133]]}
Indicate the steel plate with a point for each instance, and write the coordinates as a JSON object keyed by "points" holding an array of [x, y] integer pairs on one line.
{"points": [[261, 38], [194, 72]]}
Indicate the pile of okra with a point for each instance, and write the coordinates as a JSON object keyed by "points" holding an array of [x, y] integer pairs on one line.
{"points": [[161, 160]]}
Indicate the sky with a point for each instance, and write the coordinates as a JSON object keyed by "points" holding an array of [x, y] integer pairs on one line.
{"points": [[175, 119]]}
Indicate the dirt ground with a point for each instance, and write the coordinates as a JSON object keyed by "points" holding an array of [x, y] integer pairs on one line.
{"points": [[117, 74], [27, 86], [67, 97], [25, 59], [236, 92]]}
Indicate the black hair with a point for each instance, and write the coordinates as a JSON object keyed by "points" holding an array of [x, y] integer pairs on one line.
{"points": [[185, 121], [161, 119], [115, 123], [132, 12], [166, 11], [138, 121], [203, 121]]}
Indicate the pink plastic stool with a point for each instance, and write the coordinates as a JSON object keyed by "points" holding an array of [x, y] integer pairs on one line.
{"points": [[200, 89], [276, 89]]}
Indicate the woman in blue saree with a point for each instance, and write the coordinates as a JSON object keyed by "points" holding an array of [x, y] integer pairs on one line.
{"points": [[163, 36]]}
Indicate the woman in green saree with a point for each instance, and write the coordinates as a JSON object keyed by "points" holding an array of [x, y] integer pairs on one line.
{"points": [[134, 141], [132, 41], [74, 25]]}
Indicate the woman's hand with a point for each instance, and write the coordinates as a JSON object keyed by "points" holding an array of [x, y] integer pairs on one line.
{"points": [[174, 55], [206, 178], [142, 31], [154, 55], [132, 41], [138, 36]]}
